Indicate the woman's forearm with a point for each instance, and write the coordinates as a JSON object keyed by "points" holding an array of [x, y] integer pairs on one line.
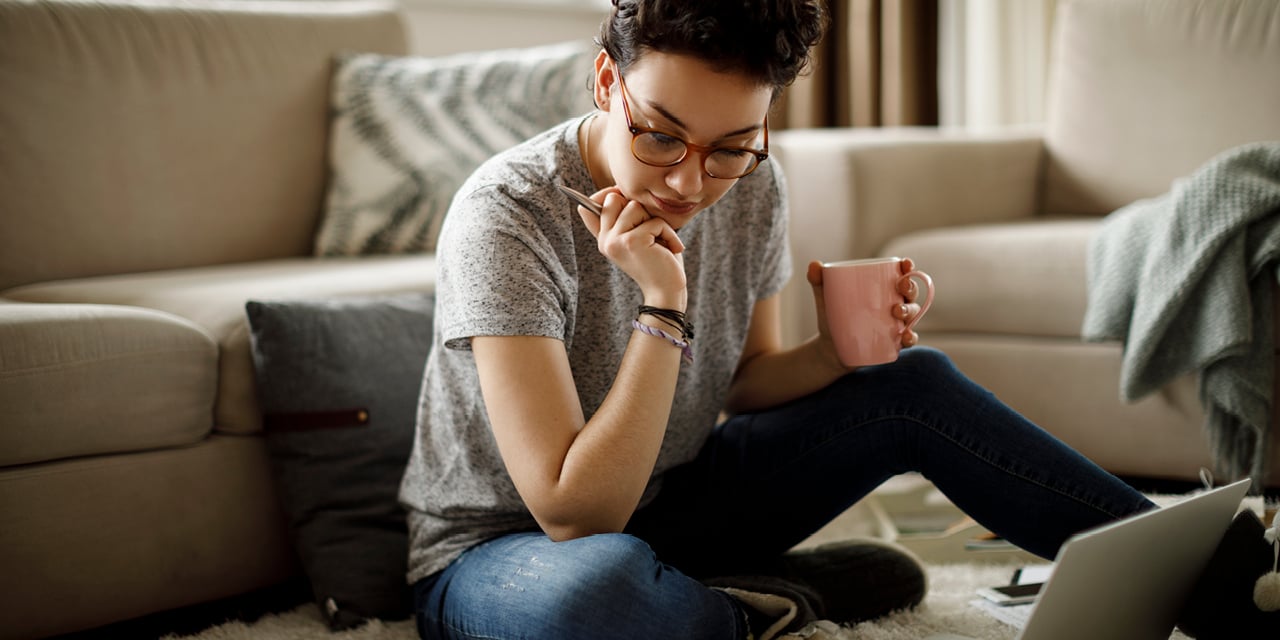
{"points": [[777, 377], [609, 463], [577, 476]]}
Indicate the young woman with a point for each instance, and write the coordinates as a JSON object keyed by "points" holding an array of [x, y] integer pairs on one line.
{"points": [[572, 477]]}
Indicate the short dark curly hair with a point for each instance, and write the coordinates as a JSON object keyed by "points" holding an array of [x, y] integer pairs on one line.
{"points": [[768, 40]]}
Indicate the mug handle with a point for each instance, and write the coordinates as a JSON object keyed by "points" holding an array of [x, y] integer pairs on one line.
{"points": [[928, 298]]}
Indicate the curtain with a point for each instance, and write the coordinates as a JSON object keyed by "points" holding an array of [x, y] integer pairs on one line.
{"points": [[994, 60], [877, 66]]}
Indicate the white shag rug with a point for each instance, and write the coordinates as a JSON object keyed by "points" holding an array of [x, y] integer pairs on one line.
{"points": [[945, 609]]}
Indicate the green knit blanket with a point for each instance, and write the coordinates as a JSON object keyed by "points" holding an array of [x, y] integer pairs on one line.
{"points": [[1186, 281]]}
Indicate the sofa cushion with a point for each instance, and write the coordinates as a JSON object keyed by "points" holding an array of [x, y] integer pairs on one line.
{"points": [[214, 297], [407, 131], [96, 540], [1018, 278], [1143, 92], [80, 380], [338, 381], [168, 134]]}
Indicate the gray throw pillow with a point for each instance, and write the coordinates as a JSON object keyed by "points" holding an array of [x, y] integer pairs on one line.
{"points": [[338, 382], [406, 131]]}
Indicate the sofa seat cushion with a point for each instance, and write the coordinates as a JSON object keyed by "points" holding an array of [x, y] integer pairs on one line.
{"points": [[1024, 278], [80, 380], [214, 298], [92, 541]]}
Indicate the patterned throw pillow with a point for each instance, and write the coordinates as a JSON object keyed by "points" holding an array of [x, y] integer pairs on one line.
{"points": [[406, 132]]}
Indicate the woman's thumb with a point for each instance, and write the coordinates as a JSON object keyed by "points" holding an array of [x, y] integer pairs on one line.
{"points": [[815, 273]]}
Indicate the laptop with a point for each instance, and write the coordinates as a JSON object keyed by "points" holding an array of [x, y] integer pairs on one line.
{"points": [[1128, 580]]}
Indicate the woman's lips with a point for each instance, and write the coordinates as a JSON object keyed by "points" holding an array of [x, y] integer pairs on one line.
{"points": [[675, 207]]}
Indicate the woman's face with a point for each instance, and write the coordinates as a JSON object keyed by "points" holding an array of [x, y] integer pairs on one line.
{"points": [[685, 98]]}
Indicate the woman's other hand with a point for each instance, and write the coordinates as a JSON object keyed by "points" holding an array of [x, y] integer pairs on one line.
{"points": [[904, 312], [908, 288], [825, 345]]}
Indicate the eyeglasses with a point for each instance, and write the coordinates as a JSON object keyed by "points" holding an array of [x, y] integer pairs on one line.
{"points": [[658, 149]]}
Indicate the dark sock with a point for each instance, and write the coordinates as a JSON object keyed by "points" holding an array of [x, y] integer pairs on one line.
{"points": [[1221, 605], [858, 580], [845, 582]]}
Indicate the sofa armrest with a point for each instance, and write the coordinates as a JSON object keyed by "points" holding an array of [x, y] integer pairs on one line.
{"points": [[851, 191]]}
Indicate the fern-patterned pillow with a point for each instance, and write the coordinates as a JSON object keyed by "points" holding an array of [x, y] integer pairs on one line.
{"points": [[406, 132]]}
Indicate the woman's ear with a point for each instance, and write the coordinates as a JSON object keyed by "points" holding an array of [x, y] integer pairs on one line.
{"points": [[606, 74]]}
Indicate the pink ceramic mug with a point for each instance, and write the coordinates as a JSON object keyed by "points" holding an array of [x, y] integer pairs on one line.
{"points": [[860, 296]]}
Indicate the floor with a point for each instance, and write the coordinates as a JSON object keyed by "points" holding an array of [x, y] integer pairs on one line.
{"points": [[909, 495], [193, 619], [909, 511]]}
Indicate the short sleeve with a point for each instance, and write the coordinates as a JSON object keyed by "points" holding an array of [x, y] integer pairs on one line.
{"points": [[776, 261], [498, 274]]}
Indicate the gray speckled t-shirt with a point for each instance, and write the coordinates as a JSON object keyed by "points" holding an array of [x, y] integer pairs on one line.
{"points": [[515, 259]]}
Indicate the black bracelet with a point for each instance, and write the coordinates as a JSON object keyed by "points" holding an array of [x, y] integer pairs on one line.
{"points": [[673, 318]]}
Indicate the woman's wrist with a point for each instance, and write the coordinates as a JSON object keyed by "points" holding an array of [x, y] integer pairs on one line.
{"points": [[674, 301], [823, 353], [680, 342]]}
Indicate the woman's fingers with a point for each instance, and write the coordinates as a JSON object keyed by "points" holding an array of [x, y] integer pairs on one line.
{"points": [[590, 220], [815, 273], [905, 312], [909, 339], [907, 286], [629, 222], [667, 237]]}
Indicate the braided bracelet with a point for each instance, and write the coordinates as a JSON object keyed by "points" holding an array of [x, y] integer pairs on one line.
{"points": [[686, 351]]}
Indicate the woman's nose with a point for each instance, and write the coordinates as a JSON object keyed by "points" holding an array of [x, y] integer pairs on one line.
{"points": [[686, 177]]}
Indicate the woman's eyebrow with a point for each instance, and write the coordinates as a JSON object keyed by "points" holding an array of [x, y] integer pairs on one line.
{"points": [[676, 121]]}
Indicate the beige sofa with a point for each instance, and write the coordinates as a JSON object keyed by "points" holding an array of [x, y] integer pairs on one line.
{"points": [[166, 161], [160, 163], [1141, 92]]}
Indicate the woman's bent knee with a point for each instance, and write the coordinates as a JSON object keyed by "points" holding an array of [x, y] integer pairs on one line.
{"points": [[927, 358], [574, 589]]}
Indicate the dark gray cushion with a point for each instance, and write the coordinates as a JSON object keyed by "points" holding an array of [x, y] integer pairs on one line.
{"points": [[338, 382]]}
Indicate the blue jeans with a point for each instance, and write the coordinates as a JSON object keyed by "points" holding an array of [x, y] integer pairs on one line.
{"points": [[762, 483]]}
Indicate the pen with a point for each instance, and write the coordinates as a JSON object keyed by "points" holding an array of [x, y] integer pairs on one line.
{"points": [[581, 199]]}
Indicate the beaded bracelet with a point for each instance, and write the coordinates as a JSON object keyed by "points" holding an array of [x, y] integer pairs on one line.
{"points": [[686, 351]]}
